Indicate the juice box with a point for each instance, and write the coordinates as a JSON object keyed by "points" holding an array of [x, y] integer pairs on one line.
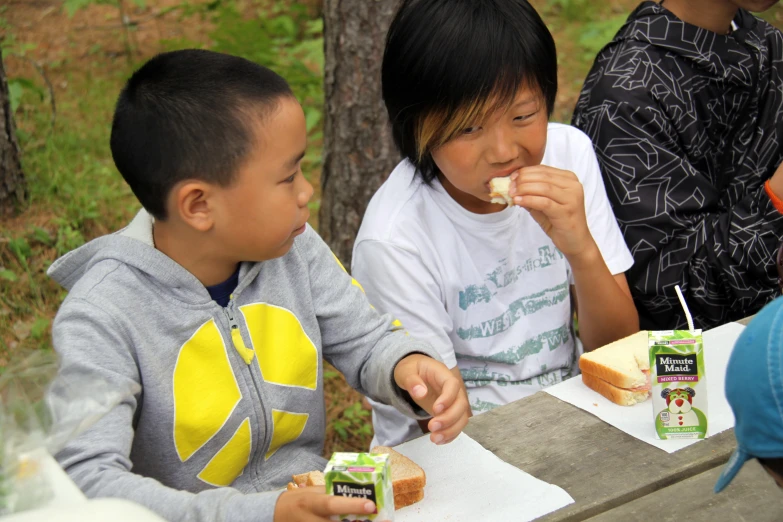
{"points": [[362, 475], [678, 383]]}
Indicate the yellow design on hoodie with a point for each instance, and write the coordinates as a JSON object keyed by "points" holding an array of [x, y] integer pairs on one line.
{"points": [[287, 428], [354, 282], [396, 323], [205, 390], [285, 354], [232, 458]]}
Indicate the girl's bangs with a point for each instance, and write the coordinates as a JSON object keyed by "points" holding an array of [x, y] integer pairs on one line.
{"points": [[446, 122]]}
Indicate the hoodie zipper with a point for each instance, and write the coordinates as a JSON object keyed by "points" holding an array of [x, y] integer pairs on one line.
{"points": [[236, 335], [247, 355]]}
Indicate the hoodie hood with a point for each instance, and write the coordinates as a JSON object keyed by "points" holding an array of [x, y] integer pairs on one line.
{"points": [[134, 247]]}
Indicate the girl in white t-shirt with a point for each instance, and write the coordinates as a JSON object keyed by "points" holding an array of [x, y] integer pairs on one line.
{"points": [[469, 87]]}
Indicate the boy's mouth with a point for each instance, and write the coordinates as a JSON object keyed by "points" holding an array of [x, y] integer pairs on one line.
{"points": [[301, 229]]}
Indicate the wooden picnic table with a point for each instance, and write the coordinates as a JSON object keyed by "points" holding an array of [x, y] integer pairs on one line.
{"points": [[614, 476]]}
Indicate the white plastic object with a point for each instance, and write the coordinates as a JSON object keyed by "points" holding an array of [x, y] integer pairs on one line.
{"points": [[96, 510]]}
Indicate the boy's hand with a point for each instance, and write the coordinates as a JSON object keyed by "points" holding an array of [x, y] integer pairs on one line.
{"points": [[555, 199], [312, 504], [438, 391]]}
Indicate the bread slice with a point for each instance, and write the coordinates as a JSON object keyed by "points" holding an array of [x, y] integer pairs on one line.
{"points": [[311, 478], [300, 479], [315, 478], [499, 191], [617, 395], [624, 363], [407, 476], [406, 499]]}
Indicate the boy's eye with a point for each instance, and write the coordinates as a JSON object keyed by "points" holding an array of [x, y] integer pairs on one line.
{"points": [[290, 179], [471, 130]]}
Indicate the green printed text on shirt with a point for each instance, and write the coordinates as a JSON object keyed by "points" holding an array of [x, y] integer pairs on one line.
{"points": [[517, 309]]}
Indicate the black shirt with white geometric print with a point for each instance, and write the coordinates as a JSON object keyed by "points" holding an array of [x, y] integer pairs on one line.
{"points": [[687, 125]]}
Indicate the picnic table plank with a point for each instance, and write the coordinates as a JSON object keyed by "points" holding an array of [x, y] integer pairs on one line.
{"points": [[600, 466], [752, 495]]}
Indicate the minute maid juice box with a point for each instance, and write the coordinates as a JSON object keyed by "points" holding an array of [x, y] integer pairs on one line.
{"points": [[679, 385], [362, 475]]}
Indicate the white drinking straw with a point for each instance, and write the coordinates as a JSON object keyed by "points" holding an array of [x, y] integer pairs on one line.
{"points": [[688, 315]]}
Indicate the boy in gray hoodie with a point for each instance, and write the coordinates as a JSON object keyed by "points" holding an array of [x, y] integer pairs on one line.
{"points": [[221, 303]]}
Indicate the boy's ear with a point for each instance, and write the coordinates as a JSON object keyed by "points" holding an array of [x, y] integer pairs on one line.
{"points": [[194, 202]]}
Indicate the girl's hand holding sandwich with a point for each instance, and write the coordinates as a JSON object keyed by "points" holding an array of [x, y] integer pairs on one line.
{"points": [[438, 391], [555, 199], [603, 302]]}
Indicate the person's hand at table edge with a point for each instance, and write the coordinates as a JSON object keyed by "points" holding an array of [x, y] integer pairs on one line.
{"points": [[312, 504], [438, 391]]}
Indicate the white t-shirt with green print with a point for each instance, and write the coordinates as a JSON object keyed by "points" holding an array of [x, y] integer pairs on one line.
{"points": [[489, 291]]}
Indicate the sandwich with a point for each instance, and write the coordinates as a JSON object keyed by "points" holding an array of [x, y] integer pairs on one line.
{"points": [[499, 191], [408, 479], [313, 478], [619, 371]]}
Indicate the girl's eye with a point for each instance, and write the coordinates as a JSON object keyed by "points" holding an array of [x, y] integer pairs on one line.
{"points": [[471, 130], [290, 179], [524, 117]]}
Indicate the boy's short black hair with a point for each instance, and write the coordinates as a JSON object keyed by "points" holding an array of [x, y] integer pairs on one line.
{"points": [[189, 114], [448, 62]]}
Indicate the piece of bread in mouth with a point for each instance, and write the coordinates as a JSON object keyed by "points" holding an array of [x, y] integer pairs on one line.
{"points": [[620, 371], [407, 476], [499, 191]]}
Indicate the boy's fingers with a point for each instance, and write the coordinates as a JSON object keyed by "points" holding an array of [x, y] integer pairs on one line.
{"points": [[415, 386], [328, 505], [448, 395], [449, 418], [452, 415], [451, 433]]}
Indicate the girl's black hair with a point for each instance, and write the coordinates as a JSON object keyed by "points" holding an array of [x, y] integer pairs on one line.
{"points": [[445, 56]]}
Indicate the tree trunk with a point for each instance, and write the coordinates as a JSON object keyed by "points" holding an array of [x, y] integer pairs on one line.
{"points": [[359, 152], [13, 189]]}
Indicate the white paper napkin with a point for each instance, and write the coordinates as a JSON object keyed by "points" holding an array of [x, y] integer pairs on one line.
{"points": [[638, 420], [466, 482]]}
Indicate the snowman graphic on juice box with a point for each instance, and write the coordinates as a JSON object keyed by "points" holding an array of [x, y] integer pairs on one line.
{"points": [[679, 385]]}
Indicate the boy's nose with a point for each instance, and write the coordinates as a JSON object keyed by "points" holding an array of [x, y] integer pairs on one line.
{"points": [[305, 194]]}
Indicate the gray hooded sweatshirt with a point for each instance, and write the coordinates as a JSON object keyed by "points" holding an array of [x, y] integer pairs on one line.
{"points": [[232, 400]]}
